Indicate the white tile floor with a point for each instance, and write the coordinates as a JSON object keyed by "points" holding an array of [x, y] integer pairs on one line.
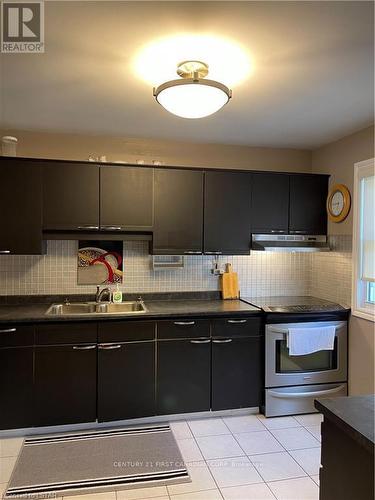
{"points": [[231, 458]]}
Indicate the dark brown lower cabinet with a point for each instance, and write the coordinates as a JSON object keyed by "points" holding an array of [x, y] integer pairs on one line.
{"points": [[183, 375], [236, 372], [16, 387], [126, 380], [65, 384], [128, 374]]}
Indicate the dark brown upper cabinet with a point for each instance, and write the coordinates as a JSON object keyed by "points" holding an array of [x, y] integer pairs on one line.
{"points": [[178, 223], [126, 198], [20, 207], [270, 203], [227, 213], [307, 207], [70, 196]]}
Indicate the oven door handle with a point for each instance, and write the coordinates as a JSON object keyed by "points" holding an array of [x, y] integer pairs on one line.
{"points": [[287, 395], [285, 332], [275, 330]]}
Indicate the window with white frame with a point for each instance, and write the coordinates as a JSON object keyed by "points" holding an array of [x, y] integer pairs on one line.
{"points": [[363, 300]]}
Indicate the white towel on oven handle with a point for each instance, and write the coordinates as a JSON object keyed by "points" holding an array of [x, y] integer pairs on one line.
{"points": [[301, 341]]}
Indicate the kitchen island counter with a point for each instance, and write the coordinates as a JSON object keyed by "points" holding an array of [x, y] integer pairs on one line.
{"points": [[347, 448]]}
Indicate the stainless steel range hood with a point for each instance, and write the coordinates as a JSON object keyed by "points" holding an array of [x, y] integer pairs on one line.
{"points": [[289, 243]]}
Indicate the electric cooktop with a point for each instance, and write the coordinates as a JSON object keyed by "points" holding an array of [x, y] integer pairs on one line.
{"points": [[294, 304]]}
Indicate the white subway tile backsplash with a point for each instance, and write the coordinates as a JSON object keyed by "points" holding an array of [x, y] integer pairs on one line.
{"points": [[331, 272], [326, 275], [260, 273]]}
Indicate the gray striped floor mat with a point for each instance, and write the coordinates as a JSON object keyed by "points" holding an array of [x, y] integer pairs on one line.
{"points": [[85, 462]]}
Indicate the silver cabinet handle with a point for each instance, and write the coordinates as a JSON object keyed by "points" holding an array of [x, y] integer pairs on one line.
{"points": [[213, 253], [110, 347], [88, 227], [237, 320], [292, 395], [191, 252], [184, 323], [298, 232], [280, 231], [222, 341], [8, 330], [4, 252], [111, 228], [83, 347], [205, 341]]}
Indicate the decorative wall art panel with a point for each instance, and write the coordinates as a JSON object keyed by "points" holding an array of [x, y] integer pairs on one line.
{"points": [[100, 262]]}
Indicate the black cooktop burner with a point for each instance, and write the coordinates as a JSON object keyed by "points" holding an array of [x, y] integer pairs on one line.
{"points": [[306, 308], [294, 304]]}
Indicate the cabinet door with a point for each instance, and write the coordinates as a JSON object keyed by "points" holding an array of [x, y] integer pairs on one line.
{"points": [[70, 196], [236, 373], [183, 377], [16, 387], [307, 211], [126, 380], [270, 203], [227, 210], [178, 212], [126, 198], [65, 384], [20, 208]]}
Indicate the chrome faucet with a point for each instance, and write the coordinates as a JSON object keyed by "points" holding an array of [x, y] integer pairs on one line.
{"points": [[99, 294]]}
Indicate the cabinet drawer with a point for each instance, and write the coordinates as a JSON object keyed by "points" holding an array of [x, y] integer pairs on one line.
{"points": [[126, 331], [66, 333], [183, 328], [229, 327], [16, 335]]}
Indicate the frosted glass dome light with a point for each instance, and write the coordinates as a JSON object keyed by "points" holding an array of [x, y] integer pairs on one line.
{"points": [[192, 96]]}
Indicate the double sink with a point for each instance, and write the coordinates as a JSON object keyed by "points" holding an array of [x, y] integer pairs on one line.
{"points": [[96, 308]]}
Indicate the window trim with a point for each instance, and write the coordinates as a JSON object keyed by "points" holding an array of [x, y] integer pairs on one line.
{"points": [[359, 289]]}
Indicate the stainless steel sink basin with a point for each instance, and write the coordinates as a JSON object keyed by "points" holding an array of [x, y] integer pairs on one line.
{"points": [[94, 309], [123, 308]]}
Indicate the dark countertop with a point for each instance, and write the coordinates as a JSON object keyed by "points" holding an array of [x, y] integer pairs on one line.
{"points": [[20, 313], [353, 414]]}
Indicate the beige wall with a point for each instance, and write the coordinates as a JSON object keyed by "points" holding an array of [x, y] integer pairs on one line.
{"points": [[79, 147], [337, 159], [361, 356]]}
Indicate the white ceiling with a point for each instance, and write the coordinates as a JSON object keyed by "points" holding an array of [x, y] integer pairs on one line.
{"points": [[312, 80]]}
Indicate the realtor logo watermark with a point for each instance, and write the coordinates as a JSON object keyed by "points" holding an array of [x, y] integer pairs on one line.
{"points": [[22, 27]]}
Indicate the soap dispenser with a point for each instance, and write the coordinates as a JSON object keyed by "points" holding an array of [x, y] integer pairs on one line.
{"points": [[117, 295]]}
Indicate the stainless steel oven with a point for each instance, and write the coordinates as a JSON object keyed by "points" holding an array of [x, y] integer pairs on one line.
{"points": [[293, 382]]}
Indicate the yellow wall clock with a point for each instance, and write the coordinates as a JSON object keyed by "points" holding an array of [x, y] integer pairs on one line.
{"points": [[338, 203]]}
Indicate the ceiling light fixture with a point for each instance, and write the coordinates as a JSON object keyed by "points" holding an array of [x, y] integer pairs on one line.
{"points": [[192, 96]]}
